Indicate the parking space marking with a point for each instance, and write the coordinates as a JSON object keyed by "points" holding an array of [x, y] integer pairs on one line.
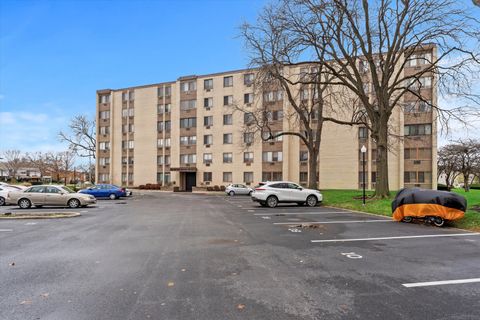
{"points": [[6, 230], [440, 283], [295, 213], [400, 237], [334, 222]]}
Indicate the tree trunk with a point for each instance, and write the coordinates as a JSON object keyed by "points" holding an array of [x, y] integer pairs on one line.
{"points": [[381, 185], [312, 168], [466, 184]]}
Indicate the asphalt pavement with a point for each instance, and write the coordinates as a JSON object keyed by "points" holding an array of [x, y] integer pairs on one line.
{"points": [[191, 256]]}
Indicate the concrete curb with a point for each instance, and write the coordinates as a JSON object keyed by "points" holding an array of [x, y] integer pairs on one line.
{"points": [[52, 215]]}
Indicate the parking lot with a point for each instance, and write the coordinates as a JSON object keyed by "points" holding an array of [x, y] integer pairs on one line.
{"points": [[193, 256]]}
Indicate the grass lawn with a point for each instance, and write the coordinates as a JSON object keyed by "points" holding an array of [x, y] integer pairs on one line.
{"points": [[345, 199]]}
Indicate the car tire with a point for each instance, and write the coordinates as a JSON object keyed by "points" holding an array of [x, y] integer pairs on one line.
{"points": [[24, 203], [312, 200], [438, 221], [250, 193], [113, 196], [272, 201], [231, 193], [407, 219], [2, 201], [74, 203]]}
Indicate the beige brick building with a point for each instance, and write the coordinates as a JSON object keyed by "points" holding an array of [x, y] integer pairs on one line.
{"points": [[187, 133]]}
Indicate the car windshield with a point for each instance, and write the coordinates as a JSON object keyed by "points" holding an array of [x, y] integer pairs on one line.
{"points": [[67, 190]]}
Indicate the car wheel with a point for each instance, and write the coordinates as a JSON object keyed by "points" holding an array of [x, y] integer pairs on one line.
{"points": [[2, 201], [312, 201], [250, 193], [112, 196], [272, 201], [74, 203], [407, 219], [24, 203], [438, 221], [231, 193]]}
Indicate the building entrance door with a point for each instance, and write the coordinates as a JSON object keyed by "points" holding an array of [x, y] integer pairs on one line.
{"points": [[190, 181]]}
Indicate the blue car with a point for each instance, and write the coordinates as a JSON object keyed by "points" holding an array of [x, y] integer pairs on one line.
{"points": [[105, 191]]}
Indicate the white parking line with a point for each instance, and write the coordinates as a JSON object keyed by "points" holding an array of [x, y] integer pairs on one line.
{"points": [[440, 283], [295, 213], [6, 230], [401, 237], [333, 222]]}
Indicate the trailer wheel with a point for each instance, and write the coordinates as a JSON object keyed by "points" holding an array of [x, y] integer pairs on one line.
{"points": [[438, 221], [407, 219]]}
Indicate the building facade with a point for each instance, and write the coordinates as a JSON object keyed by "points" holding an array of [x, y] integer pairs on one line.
{"points": [[187, 133]]}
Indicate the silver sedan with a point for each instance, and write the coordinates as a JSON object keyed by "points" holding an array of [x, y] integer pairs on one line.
{"points": [[49, 195], [234, 189]]}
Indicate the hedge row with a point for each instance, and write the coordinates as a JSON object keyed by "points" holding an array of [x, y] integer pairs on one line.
{"points": [[150, 186], [216, 188]]}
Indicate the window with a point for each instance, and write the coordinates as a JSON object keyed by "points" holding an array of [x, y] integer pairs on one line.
{"points": [[418, 129], [188, 122], [228, 81], [124, 96], [164, 108], [362, 133], [410, 177], [227, 119], [163, 178], [248, 157], [248, 79], [168, 91], [426, 82], [227, 100], [227, 177], [131, 144], [104, 98], [188, 86], [104, 177], [124, 144], [104, 161], [425, 58], [188, 140], [248, 177], [131, 112], [208, 102], [412, 60], [227, 138], [130, 177], [248, 118], [160, 92], [124, 177], [227, 157], [160, 160], [163, 142], [366, 87], [124, 113], [124, 160], [303, 155], [274, 136], [303, 176], [207, 158], [272, 96], [104, 130], [188, 104], [374, 177], [272, 156], [208, 84], [363, 66], [208, 121], [104, 146], [104, 114], [361, 176], [163, 126], [276, 115], [409, 154], [188, 158], [277, 176], [248, 98], [424, 106], [207, 176], [248, 137], [208, 139], [409, 107]]}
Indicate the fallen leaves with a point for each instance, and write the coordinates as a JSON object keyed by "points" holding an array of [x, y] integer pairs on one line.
{"points": [[171, 284], [44, 295], [240, 306]]}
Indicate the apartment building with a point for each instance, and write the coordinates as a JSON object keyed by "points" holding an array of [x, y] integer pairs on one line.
{"points": [[187, 133]]}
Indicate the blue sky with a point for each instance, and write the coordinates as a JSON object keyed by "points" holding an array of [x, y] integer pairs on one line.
{"points": [[54, 55]]}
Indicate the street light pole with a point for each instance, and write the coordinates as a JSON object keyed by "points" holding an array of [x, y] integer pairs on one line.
{"points": [[363, 150]]}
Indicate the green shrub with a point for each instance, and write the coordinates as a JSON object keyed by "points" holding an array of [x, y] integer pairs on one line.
{"points": [[475, 186]]}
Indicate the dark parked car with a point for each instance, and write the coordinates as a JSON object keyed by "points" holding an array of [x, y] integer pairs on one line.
{"points": [[105, 191]]}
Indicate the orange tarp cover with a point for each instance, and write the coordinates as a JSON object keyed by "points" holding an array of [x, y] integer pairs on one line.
{"points": [[422, 210]]}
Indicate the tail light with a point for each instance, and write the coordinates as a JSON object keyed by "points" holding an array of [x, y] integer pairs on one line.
{"points": [[259, 189], [123, 189]]}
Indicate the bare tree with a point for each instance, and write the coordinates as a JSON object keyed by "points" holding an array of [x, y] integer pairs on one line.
{"points": [[468, 160], [369, 47], [41, 161], [275, 44], [13, 162], [447, 163], [82, 138]]}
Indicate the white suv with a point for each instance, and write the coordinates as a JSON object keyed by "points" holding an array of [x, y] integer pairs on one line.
{"points": [[272, 193]]}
